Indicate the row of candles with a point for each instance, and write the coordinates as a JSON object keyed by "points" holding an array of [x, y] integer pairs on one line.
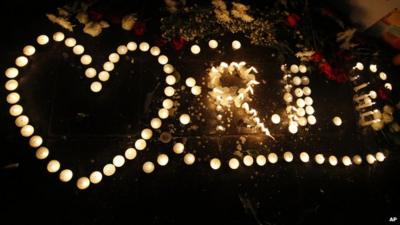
{"points": [[36, 141], [364, 97]]}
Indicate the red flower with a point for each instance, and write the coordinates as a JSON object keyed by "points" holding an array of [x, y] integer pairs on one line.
{"points": [[340, 75], [292, 20], [95, 15], [327, 70], [161, 42], [178, 43], [139, 28], [316, 57], [383, 93]]}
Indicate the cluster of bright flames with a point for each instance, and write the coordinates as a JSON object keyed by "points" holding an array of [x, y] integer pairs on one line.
{"points": [[239, 96]]}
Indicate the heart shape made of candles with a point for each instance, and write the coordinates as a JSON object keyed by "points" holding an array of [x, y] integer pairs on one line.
{"points": [[37, 142]]}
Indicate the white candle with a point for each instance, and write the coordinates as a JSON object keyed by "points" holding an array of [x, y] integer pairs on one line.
{"points": [[357, 159], [70, 42], [168, 68], [294, 68], [311, 120], [90, 72], [307, 91], [146, 134], [382, 75], [29, 50], [16, 110], [196, 90], [21, 61], [215, 163], [42, 39], [169, 91], [287, 97], [236, 44], [213, 44], [371, 159], [248, 160], [332, 160], [178, 148], [42, 153], [319, 158], [113, 57], [58, 36], [108, 66], [233, 163], [148, 167], [86, 59], [170, 79], [27, 131], [122, 49], [78, 50], [140, 144], [155, 51], [296, 80], [162, 159], [163, 113], [380, 156], [53, 166], [337, 121], [190, 82], [288, 156], [275, 119], [304, 157], [118, 161], [184, 119], [346, 161], [189, 159], [11, 85], [155, 123], [130, 153], [83, 183], [144, 46], [373, 68], [195, 49], [21, 121], [66, 175], [95, 87], [272, 158], [302, 68], [162, 59], [104, 76], [261, 160], [109, 170], [35, 141], [132, 46], [95, 177], [11, 72]]}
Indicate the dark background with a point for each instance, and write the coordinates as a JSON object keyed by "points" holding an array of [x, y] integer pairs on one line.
{"points": [[281, 194]]}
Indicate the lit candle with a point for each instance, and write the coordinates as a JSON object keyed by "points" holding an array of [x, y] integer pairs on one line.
{"points": [[296, 80], [189, 159], [195, 49], [16, 110], [357, 159], [155, 51], [104, 76], [184, 119], [140, 144], [169, 91], [359, 66], [162, 159], [288, 156], [302, 121], [371, 159], [29, 50], [35, 141], [308, 100], [236, 44], [196, 90], [168, 68], [294, 68], [178, 148], [21, 121], [130, 153], [90, 72], [78, 50], [70, 42], [304, 157], [337, 121], [95, 86], [302, 68], [320, 159], [108, 66], [53, 166], [66, 175], [311, 120], [298, 92], [11, 72], [373, 68], [170, 79], [122, 49], [234, 163], [261, 160], [275, 119], [148, 167], [168, 103], [86, 59], [163, 113], [213, 44], [132, 46], [272, 158], [42, 153], [27, 131], [155, 123], [293, 128], [95, 177], [58, 36], [146, 134], [162, 59], [346, 161], [287, 97], [109, 170], [310, 110], [83, 183], [42, 39], [300, 102], [380, 156], [382, 75], [190, 82], [11, 85], [144, 46], [248, 160], [307, 91], [215, 163], [21, 61], [118, 161], [332, 160], [113, 57]]}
